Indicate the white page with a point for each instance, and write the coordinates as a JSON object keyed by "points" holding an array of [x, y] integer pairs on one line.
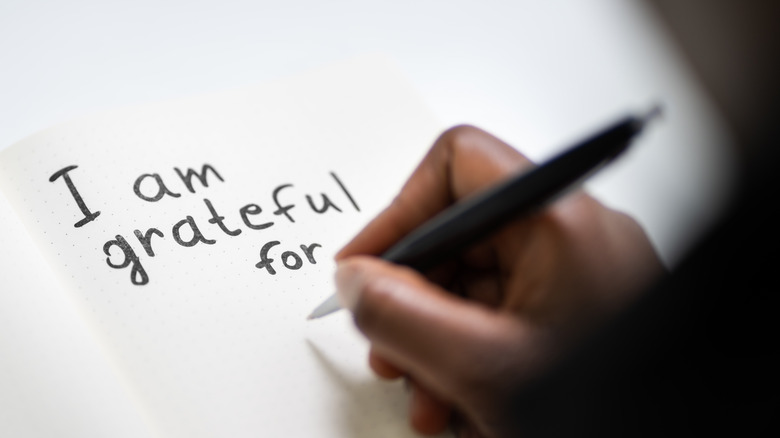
{"points": [[54, 379], [213, 345]]}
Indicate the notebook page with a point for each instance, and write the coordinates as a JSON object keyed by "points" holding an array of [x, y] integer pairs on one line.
{"points": [[196, 236], [54, 378]]}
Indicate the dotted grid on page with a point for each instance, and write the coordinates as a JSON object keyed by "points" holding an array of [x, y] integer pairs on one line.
{"points": [[55, 380]]}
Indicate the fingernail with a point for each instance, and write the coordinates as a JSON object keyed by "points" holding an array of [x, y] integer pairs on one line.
{"points": [[349, 281]]}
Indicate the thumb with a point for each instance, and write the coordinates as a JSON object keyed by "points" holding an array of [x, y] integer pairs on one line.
{"points": [[443, 340]]}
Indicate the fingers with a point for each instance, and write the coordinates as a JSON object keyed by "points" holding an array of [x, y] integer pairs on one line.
{"points": [[382, 367], [446, 342], [427, 414], [463, 161]]}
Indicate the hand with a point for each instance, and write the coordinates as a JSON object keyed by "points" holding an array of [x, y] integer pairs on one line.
{"points": [[468, 334]]}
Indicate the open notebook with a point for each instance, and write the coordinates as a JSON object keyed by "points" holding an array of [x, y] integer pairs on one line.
{"points": [[158, 262]]}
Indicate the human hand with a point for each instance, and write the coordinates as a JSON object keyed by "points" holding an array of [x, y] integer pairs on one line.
{"points": [[468, 334]]}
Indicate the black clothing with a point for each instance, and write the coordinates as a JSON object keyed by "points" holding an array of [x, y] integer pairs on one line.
{"points": [[696, 354]]}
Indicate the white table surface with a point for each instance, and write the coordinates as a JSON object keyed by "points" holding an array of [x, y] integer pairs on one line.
{"points": [[536, 73]]}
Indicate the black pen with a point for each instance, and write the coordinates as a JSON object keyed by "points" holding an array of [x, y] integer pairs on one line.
{"points": [[473, 218]]}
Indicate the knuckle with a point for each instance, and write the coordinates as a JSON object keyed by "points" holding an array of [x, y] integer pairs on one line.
{"points": [[374, 308], [460, 136]]}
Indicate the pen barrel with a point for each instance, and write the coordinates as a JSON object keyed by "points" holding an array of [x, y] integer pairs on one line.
{"points": [[473, 218]]}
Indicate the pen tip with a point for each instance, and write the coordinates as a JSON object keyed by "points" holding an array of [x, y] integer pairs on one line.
{"points": [[325, 308]]}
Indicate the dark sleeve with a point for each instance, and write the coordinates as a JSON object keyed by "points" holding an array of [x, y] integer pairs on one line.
{"points": [[696, 354]]}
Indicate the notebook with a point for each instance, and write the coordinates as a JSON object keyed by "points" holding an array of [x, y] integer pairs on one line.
{"points": [[159, 261]]}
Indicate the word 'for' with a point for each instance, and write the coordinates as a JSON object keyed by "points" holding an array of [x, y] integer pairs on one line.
{"points": [[151, 187]]}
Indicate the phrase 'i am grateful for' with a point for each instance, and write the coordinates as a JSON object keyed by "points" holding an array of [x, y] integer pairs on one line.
{"points": [[151, 187]]}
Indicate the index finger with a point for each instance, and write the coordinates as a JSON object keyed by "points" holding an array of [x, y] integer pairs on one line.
{"points": [[464, 160]]}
